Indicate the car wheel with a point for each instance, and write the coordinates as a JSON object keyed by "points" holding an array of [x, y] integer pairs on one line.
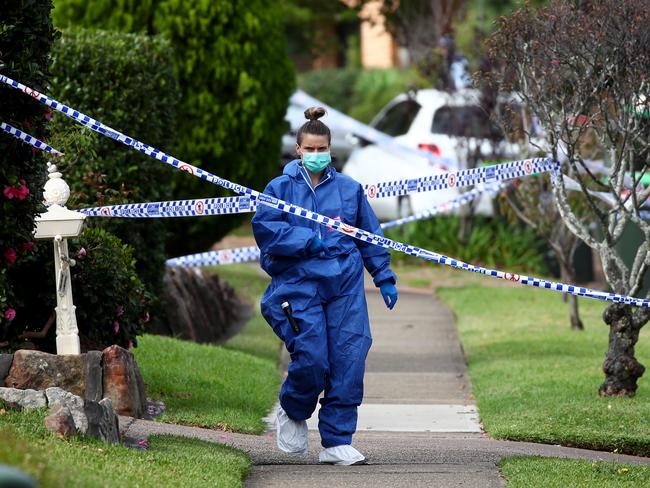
{"points": [[404, 207]]}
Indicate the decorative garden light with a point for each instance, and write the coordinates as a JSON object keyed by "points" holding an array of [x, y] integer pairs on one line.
{"points": [[59, 223]]}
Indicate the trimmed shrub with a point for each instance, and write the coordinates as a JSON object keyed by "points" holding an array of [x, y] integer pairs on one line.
{"points": [[140, 101], [235, 79], [26, 34]]}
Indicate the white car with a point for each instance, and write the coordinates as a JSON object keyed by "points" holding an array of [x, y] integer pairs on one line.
{"points": [[452, 126]]}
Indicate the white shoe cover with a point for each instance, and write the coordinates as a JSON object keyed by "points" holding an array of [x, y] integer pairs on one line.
{"points": [[291, 434], [341, 455]]}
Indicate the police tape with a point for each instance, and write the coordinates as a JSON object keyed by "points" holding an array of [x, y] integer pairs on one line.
{"points": [[463, 178], [252, 253], [224, 205], [175, 208], [212, 258], [31, 140], [457, 202], [336, 225]]}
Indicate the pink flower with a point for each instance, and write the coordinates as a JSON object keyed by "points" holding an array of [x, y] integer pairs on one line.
{"points": [[145, 317], [10, 256], [82, 253], [48, 115], [119, 311], [9, 192], [130, 344], [20, 192], [23, 191], [27, 246], [10, 314], [116, 326]]}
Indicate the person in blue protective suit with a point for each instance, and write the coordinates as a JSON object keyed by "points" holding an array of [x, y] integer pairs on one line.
{"points": [[316, 302]]}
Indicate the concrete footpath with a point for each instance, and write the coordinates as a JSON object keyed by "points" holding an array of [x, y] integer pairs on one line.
{"points": [[418, 425]]}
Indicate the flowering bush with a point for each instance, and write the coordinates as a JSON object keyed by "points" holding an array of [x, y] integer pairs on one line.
{"points": [[26, 34], [111, 301]]}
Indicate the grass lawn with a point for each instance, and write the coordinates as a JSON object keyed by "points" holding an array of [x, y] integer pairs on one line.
{"points": [[257, 337], [536, 380], [169, 461], [206, 385], [524, 472], [230, 387]]}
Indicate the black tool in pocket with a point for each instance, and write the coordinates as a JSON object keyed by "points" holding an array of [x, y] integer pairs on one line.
{"points": [[286, 308]]}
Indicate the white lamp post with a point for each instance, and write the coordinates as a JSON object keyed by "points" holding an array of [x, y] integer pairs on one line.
{"points": [[58, 223]]}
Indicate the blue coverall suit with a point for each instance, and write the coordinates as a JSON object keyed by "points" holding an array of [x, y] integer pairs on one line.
{"points": [[326, 293]]}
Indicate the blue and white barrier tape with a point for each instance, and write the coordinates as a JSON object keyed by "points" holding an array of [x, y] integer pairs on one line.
{"points": [[175, 208], [457, 202], [211, 258], [337, 225], [31, 140], [463, 178], [248, 254], [219, 206]]}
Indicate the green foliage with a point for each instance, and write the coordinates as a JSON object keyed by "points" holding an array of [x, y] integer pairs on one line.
{"points": [[527, 471], [111, 301], [26, 34], [235, 80], [208, 386], [536, 380], [141, 102], [81, 462], [358, 93], [494, 242]]}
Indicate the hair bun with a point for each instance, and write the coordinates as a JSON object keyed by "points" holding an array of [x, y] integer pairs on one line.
{"points": [[314, 113]]}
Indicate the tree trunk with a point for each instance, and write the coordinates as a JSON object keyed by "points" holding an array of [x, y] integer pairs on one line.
{"points": [[567, 275], [574, 313], [621, 367]]}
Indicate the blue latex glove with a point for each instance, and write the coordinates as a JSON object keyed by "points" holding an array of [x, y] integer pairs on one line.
{"points": [[389, 293], [316, 246]]}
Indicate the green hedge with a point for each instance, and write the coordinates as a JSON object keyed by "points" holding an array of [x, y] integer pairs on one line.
{"points": [[127, 82], [235, 80], [26, 34]]}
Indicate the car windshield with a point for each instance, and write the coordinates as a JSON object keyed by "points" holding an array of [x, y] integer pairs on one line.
{"points": [[465, 121], [398, 119]]}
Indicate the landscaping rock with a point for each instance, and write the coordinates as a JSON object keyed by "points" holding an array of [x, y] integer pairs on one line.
{"points": [[28, 399], [39, 370], [61, 421], [201, 307], [5, 364], [94, 374], [57, 397], [102, 421], [123, 383]]}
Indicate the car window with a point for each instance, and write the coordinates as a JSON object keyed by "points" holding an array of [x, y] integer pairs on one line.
{"points": [[397, 119], [465, 121]]}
